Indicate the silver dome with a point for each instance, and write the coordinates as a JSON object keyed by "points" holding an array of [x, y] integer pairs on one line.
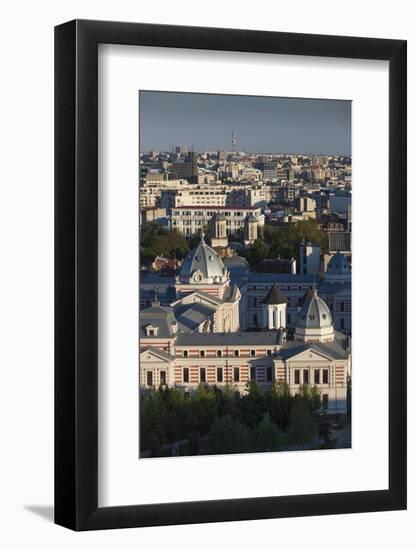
{"points": [[202, 265], [314, 314]]}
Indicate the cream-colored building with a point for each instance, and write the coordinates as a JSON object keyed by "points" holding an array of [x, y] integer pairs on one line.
{"points": [[190, 220], [198, 338]]}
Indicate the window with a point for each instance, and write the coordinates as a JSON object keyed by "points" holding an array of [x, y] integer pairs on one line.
{"points": [[163, 377], [202, 374], [269, 374], [305, 376], [269, 352], [325, 376], [317, 376], [219, 374], [253, 373], [325, 399], [342, 324], [219, 353], [342, 306], [253, 352], [296, 376], [186, 375], [255, 318], [202, 353], [236, 374], [255, 302], [151, 331], [236, 353], [149, 378]]}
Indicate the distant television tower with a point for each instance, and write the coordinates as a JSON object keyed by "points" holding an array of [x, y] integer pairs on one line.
{"points": [[234, 141]]}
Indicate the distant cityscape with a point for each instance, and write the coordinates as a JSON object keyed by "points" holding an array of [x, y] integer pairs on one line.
{"points": [[245, 301]]}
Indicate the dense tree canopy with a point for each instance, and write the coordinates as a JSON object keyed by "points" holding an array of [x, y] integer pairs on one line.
{"points": [[223, 421], [285, 241], [157, 240]]}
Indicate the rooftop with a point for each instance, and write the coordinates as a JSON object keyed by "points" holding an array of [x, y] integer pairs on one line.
{"points": [[333, 350], [275, 296], [262, 338], [288, 278]]}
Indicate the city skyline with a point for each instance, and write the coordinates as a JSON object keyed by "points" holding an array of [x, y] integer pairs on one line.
{"points": [[264, 125]]}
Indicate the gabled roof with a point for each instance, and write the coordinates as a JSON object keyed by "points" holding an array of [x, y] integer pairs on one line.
{"points": [[331, 350], [204, 295], [158, 352], [191, 316]]}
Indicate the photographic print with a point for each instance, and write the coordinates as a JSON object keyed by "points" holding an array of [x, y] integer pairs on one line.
{"points": [[245, 274]]}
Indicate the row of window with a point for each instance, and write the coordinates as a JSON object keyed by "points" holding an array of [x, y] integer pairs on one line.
{"points": [[224, 353], [320, 376], [203, 377], [237, 214]]}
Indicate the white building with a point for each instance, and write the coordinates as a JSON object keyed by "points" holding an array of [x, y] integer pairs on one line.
{"points": [[190, 220]]}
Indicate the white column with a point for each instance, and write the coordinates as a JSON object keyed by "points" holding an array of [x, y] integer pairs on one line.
{"points": [[270, 317]]}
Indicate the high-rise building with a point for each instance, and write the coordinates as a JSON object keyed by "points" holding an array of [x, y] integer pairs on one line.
{"points": [[187, 169], [269, 169]]}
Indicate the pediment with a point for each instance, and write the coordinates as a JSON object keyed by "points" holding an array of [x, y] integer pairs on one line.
{"points": [[155, 356], [196, 297], [309, 356]]}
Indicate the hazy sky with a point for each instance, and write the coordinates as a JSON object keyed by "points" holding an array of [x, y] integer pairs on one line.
{"points": [[263, 124]]}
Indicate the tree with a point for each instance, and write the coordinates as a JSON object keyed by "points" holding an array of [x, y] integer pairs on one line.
{"points": [[204, 406], [279, 403], [258, 252], [285, 241], [252, 404], [230, 436], [311, 396], [268, 436], [303, 426], [157, 240], [153, 419]]}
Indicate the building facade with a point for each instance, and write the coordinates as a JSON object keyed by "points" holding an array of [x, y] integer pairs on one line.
{"points": [[190, 220], [199, 336]]}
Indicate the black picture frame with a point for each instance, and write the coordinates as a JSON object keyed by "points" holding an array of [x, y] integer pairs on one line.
{"points": [[76, 271]]}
